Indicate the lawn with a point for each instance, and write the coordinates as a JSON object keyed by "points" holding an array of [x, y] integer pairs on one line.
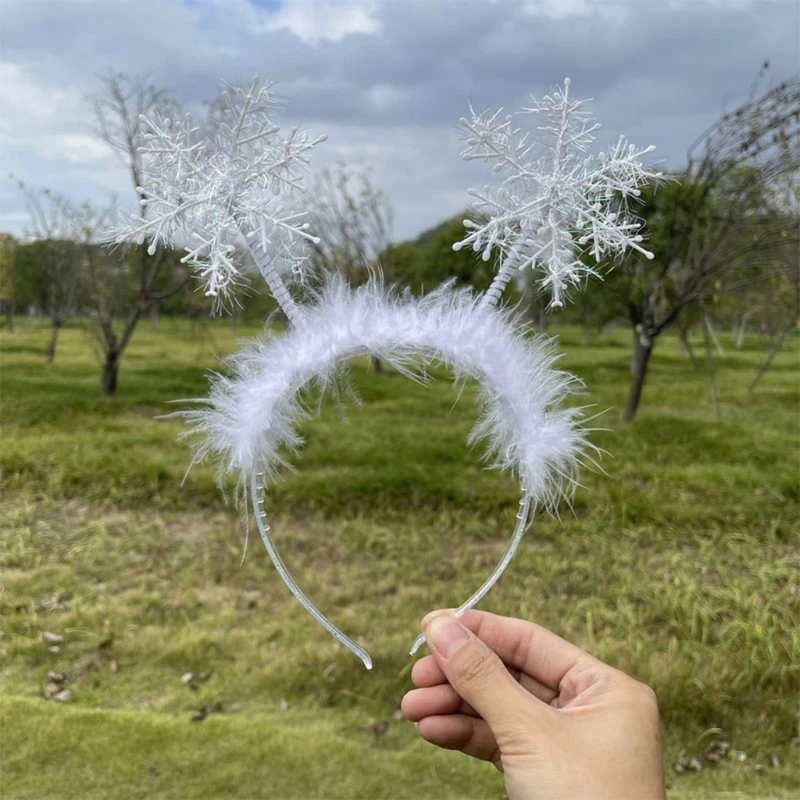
{"points": [[195, 674]]}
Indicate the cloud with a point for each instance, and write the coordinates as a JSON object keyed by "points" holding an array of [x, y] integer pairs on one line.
{"points": [[387, 80], [19, 95], [44, 126], [330, 20]]}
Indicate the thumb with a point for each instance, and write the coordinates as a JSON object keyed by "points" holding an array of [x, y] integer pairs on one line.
{"points": [[481, 678]]}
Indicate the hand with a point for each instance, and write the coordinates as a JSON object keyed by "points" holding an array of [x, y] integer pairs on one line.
{"points": [[555, 721]]}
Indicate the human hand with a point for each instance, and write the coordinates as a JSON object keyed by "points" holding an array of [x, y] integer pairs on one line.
{"points": [[555, 721]]}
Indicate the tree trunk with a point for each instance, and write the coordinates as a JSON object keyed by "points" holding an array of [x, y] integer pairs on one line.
{"points": [[642, 348], [713, 334], [712, 379], [110, 371], [543, 318], [378, 364], [9, 312], [740, 334], [772, 353], [686, 346], [51, 348], [742, 327]]}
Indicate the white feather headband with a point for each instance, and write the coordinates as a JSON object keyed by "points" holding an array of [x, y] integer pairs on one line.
{"points": [[226, 194]]}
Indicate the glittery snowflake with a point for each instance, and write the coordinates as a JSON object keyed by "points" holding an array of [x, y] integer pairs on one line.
{"points": [[555, 203], [225, 192]]}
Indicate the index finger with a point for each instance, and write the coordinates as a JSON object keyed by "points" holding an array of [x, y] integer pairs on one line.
{"points": [[522, 645]]}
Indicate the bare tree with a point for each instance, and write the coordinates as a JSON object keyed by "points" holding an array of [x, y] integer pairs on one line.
{"points": [[356, 218], [119, 112], [714, 222], [52, 225], [712, 375], [791, 297], [783, 299], [7, 245]]}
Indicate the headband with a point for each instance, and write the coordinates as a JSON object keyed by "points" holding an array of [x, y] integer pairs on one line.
{"points": [[231, 195]]}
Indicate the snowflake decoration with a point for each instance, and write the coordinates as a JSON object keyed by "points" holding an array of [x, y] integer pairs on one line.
{"points": [[226, 194], [555, 203]]}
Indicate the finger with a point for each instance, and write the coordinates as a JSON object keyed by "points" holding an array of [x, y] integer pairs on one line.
{"points": [[427, 672], [537, 689], [523, 645], [434, 701], [439, 612], [483, 681], [459, 732]]}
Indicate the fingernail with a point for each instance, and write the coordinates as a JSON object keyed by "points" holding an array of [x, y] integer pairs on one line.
{"points": [[426, 620], [446, 636]]}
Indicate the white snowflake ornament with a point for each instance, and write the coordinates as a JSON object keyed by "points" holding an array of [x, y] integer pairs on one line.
{"points": [[226, 194], [555, 202]]}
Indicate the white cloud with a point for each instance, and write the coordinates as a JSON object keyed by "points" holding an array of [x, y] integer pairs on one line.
{"points": [[21, 95], [560, 9], [418, 167], [45, 121], [75, 148], [318, 20], [384, 96]]}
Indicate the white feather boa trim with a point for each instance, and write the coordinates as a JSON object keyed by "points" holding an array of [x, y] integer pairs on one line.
{"points": [[252, 414]]}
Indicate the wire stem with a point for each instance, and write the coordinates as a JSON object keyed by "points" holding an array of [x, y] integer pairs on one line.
{"points": [[256, 492], [500, 281], [281, 293], [519, 530]]}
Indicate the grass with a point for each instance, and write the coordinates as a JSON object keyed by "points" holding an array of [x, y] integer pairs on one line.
{"points": [[680, 566]]}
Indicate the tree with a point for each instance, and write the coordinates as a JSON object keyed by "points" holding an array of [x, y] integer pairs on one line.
{"points": [[430, 260], [7, 246], [438, 261], [53, 227], [783, 303], [398, 263], [357, 219], [704, 229], [123, 297]]}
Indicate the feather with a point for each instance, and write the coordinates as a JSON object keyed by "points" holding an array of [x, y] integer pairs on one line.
{"points": [[252, 414]]}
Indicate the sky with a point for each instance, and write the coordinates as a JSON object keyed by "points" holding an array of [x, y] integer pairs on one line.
{"points": [[386, 80]]}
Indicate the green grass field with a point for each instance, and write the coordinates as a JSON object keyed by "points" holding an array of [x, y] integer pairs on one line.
{"points": [[680, 566]]}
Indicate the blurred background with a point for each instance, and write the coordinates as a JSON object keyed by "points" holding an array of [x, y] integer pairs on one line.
{"points": [[144, 650]]}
